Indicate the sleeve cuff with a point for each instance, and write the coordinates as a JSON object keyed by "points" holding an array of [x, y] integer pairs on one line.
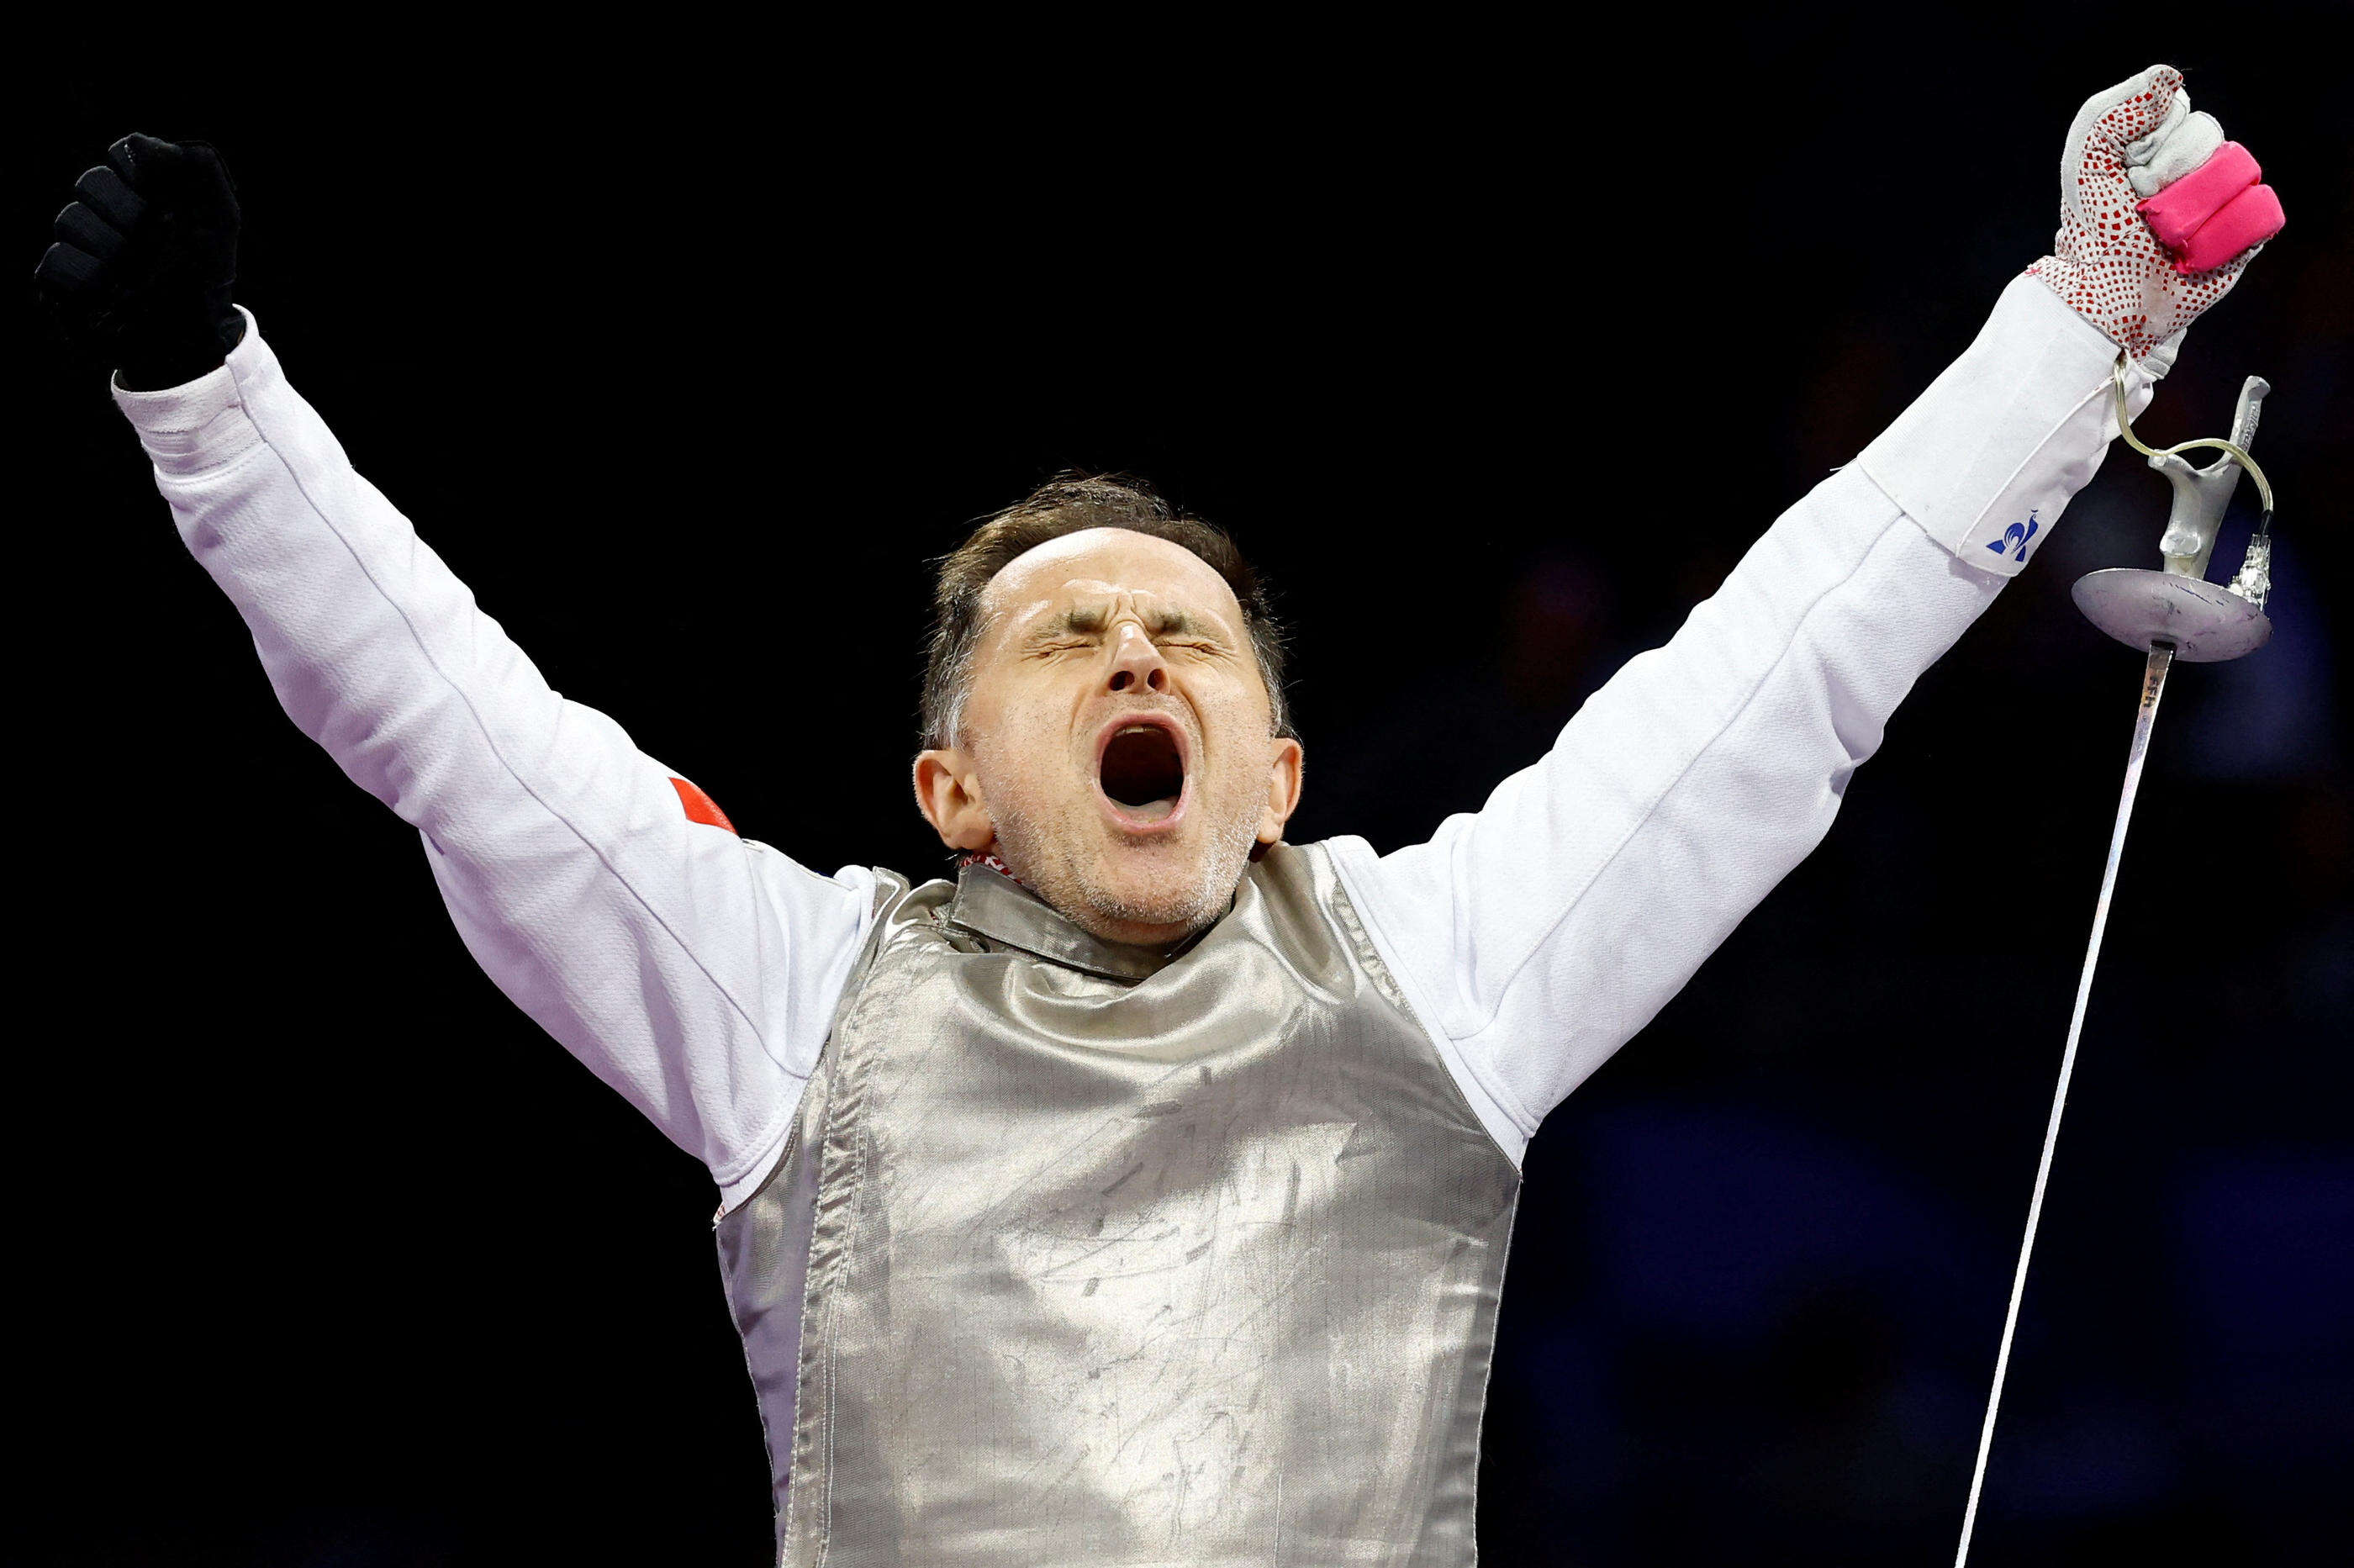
{"points": [[1984, 460], [201, 423]]}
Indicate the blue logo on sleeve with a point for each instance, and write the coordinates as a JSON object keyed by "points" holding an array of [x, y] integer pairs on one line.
{"points": [[2018, 534]]}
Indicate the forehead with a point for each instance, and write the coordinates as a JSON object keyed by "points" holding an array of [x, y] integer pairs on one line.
{"points": [[1094, 561]]}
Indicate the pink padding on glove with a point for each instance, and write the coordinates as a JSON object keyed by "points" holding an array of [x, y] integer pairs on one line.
{"points": [[2175, 213], [2249, 219]]}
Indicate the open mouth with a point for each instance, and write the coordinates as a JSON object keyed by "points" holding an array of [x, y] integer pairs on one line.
{"points": [[1142, 771]]}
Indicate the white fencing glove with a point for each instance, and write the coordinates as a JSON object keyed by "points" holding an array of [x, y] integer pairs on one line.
{"points": [[2158, 213]]}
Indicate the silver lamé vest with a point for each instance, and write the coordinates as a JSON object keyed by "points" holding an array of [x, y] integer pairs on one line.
{"points": [[1090, 1255]]}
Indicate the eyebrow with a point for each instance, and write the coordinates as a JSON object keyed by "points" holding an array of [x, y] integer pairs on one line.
{"points": [[1087, 619]]}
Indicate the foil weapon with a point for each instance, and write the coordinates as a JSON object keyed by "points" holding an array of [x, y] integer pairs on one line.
{"points": [[2173, 613]]}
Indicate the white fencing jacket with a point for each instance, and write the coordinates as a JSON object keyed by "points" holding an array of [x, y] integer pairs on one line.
{"points": [[696, 972]]}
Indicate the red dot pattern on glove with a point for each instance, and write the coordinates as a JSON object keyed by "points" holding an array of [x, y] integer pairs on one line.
{"points": [[2106, 263]]}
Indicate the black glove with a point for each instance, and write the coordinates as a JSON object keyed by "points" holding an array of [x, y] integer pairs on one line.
{"points": [[141, 271]]}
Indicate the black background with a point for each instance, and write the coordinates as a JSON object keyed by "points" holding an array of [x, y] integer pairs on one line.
{"points": [[686, 347]]}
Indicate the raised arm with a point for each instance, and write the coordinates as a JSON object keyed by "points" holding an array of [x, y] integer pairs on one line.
{"points": [[690, 969], [1537, 935]]}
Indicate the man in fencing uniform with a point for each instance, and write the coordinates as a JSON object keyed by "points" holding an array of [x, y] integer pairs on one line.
{"points": [[1142, 1195]]}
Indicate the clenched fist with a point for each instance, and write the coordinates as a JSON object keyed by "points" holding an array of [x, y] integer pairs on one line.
{"points": [[141, 271], [2158, 213]]}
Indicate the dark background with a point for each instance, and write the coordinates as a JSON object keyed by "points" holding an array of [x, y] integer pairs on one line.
{"points": [[1496, 348]]}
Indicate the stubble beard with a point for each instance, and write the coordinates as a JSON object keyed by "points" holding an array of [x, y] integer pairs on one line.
{"points": [[1066, 879]]}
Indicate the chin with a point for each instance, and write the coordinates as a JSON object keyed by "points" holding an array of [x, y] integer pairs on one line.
{"points": [[1144, 890], [1151, 908], [1161, 892]]}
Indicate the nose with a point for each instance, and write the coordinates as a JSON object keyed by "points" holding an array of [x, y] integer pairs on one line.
{"points": [[1136, 664]]}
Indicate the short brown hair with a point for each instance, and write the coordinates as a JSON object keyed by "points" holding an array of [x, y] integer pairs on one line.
{"points": [[1065, 505]]}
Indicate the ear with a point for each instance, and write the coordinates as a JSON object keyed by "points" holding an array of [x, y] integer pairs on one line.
{"points": [[949, 795], [1285, 764]]}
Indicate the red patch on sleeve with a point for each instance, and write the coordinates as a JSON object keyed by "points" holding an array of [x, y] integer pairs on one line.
{"points": [[700, 807]]}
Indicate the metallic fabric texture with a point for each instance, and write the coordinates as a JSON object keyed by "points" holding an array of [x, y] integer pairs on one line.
{"points": [[1108, 1256]]}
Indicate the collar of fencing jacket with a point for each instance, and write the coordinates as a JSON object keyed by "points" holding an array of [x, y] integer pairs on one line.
{"points": [[990, 904]]}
